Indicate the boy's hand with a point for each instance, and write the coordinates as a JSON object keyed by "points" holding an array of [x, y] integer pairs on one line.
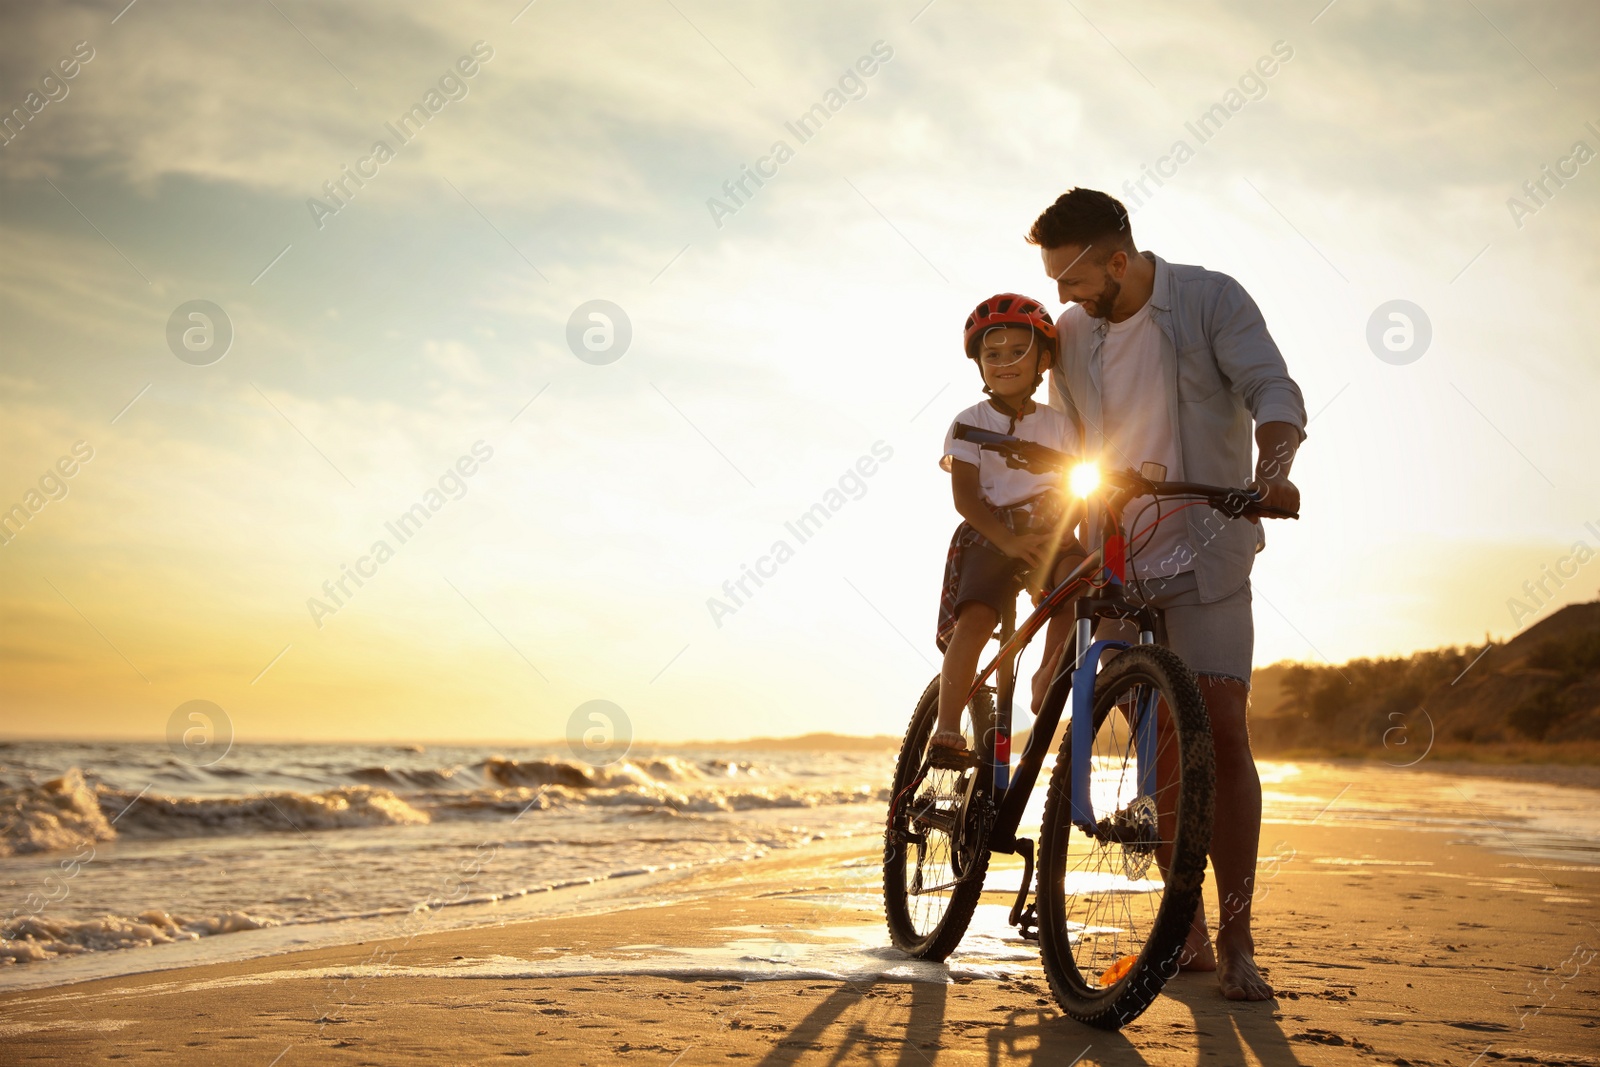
{"points": [[1031, 548]]}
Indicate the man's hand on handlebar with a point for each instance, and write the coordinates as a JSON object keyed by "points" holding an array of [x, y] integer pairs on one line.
{"points": [[1278, 492], [1276, 444]]}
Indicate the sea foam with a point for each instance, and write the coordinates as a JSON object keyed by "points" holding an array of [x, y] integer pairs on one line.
{"points": [[61, 814], [34, 938]]}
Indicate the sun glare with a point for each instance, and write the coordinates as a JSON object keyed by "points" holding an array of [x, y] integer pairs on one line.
{"points": [[1084, 479]]}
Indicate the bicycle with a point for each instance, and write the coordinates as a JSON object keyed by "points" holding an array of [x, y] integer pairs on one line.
{"points": [[1128, 813]]}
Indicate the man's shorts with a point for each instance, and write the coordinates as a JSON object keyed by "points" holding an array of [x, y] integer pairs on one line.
{"points": [[1216, 638]]}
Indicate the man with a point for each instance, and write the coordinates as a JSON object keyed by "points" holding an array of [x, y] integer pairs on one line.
{"points": [[1170, 364]]}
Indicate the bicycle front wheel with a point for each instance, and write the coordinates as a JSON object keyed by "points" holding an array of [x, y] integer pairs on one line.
{"points": [[935, 847], [1115, 905]]}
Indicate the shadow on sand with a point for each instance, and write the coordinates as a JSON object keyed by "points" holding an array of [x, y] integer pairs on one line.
{"points": [[871, 1022]]}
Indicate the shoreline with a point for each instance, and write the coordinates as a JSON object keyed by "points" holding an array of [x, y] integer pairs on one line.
{"points": [[629, 889], [1367, 934], [1296, 782], [1571, 775]]}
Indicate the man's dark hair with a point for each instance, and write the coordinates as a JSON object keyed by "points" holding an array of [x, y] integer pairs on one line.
{"points": [[1084, 217]]}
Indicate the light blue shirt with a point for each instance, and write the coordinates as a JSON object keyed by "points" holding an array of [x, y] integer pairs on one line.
{"points": [[1221, 373]]}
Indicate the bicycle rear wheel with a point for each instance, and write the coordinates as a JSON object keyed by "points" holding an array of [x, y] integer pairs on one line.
{"points": [[935, 847], [1115, 906]]}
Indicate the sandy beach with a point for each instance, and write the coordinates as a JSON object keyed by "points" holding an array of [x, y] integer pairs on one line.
{"points": [[1386, 944]]}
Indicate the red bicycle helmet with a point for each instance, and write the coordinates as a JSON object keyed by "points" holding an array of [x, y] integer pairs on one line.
{"points": [[1007, 309]]}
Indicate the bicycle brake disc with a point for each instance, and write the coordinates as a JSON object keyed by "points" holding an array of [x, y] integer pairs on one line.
{"points": [[1136, 856]]}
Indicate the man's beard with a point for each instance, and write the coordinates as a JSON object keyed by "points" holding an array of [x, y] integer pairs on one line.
{"points": [[1099, 306]]}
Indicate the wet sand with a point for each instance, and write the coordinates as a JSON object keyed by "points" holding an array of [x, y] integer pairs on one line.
{"points": [[1386, 947]]}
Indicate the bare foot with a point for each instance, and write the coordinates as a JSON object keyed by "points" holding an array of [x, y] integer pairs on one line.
{"points": [[1197, 954], [1238, 976], [947, 750]]}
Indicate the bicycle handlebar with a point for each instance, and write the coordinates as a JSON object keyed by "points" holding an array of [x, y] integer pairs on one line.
{"points": [[1030, 455], [1041, 459]]}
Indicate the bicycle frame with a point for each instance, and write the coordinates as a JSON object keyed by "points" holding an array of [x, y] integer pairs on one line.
{"points": [[1012, 791]]}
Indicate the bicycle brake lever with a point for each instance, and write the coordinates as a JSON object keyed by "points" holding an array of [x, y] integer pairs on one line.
{"points": [[1019, 459]]}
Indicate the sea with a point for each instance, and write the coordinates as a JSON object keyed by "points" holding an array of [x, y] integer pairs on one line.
{"points": [[118, 857]]}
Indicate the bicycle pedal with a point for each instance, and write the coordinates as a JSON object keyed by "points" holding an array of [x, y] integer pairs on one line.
{"points": [[951, 759], [1028, 924], [1024, 916]]}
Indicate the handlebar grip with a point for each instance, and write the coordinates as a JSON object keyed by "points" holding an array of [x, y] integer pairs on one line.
{"points": [[979, 436], [1255, 507]]}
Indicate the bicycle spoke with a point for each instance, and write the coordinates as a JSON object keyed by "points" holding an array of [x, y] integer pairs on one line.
{"points": [[932, 873], [933, 868]]}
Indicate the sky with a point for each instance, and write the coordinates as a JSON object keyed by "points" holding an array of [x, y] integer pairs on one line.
{"points": [[584, 488]]}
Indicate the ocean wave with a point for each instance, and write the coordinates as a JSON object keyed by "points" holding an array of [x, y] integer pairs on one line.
{"points": [[674, 769], [408, 778], [543, 772], [295, 771], [74, 810], [693, 802], [734, 800], [331, 809], [636, 799], [570, 774], [35, 938], [62, 813]]}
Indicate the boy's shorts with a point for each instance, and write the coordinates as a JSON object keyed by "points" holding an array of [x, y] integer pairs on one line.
{"points": [[975, 570], [989, 577]]}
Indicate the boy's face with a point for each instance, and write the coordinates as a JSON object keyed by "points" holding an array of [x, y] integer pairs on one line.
{"points": [[1009, 356]]}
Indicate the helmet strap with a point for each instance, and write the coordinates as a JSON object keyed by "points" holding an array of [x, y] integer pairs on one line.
{"points": [[1012, 413]]}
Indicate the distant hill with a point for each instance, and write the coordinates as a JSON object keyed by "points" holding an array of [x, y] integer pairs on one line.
{"points": [[1538, 691]]}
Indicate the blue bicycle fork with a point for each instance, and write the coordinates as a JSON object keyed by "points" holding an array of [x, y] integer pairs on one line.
{"points": [[1082, 728]]}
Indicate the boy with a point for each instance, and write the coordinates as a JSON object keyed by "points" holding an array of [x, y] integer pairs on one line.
{"points": [[1016, 529]]}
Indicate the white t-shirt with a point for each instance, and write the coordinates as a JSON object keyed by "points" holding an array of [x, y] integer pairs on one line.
{"points": [[1000, 485], [1138, 430]]}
